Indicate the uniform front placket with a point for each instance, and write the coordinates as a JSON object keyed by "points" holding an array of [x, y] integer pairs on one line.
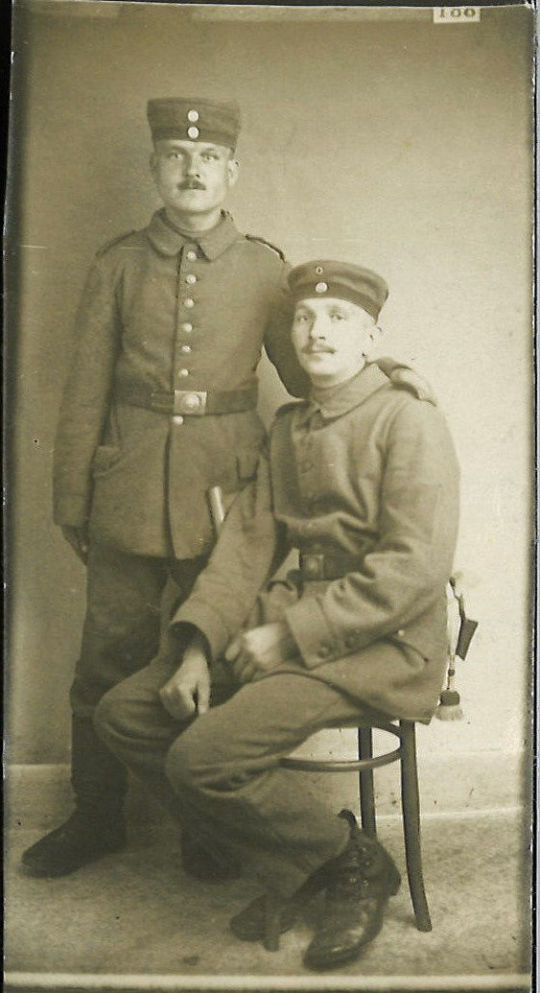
{"points": [[186, 324], [305, 471]]}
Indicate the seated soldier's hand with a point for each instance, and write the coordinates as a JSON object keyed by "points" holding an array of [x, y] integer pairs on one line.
{"points": [[188, 692], [78, 539], [260, 650]]}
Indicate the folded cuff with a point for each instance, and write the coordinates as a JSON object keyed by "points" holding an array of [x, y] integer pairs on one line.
{"points": [[208, 621], [312, 633]]}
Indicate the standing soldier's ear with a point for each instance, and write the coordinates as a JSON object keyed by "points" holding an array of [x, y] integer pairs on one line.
{"points": [[233, 167]]}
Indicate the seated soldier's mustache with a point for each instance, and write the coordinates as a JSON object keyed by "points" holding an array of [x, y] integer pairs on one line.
{"points": [[191, 184], [317, 346]]}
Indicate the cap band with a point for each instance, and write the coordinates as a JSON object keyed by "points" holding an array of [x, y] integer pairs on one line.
{"points": [[342, 280], [340, 292]]}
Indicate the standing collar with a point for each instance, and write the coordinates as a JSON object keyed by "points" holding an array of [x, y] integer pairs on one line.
{"points": [[169, 241], [346, 396]]}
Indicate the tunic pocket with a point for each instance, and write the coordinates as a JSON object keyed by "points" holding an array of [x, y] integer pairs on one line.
{"points": [[105, 457], [412, 648], [247, 460]]}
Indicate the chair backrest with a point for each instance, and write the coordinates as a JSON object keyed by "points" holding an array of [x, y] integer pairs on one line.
{"points": [[459, 632], [453, 621], [460, 628]]}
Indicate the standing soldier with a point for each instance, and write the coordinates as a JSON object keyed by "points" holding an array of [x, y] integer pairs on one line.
{"points": [[159, 406]]}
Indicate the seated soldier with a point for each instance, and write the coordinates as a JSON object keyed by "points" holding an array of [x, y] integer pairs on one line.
{"points": [[362, 479]]}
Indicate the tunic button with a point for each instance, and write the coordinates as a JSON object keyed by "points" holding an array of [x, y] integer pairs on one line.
{"points": [[183, 372], [193, 115], [193, 132], [400, 633], [191, 255], [186, 349], [187, 327], [178, 419], [188, 302], [191, 278]]}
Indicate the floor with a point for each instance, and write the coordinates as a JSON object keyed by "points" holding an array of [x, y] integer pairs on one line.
{"points": [[136, 921]]}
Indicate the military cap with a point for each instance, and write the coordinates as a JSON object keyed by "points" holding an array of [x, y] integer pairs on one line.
{"points": [[339, 279], [194, 119]]}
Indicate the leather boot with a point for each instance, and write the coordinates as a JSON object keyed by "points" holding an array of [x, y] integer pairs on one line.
{"points": [[97, 826], [360, 881]]}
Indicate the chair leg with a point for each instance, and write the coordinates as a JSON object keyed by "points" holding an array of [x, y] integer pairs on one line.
{"points": [[411, 825], [367, 794]]}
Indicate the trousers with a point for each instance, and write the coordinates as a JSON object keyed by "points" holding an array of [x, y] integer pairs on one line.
{"points": [[123, 617], [220, 772], [121, 634]]}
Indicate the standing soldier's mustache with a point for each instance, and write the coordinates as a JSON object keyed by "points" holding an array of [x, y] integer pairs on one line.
{"points": [[191, 184]]}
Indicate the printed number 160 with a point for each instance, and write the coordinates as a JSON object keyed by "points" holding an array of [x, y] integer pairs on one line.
{"points": [[449, 15]]}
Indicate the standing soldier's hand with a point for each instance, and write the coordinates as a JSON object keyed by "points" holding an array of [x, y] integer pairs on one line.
{"points": [[78, 539]]}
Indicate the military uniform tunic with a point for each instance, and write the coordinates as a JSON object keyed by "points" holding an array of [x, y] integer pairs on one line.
{"points": [[162, 312], [366, 484]]}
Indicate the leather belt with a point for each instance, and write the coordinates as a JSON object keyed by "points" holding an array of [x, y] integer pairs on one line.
{"points": [[189, 402], [318, 566]]}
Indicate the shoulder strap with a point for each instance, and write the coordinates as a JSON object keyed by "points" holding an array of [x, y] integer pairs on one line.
{"points": [[263, 241], [114, 241]]}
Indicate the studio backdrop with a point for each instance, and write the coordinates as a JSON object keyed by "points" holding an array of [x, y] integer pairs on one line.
{"points": [[372, 135]]}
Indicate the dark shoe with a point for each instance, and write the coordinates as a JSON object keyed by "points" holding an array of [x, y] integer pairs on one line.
{"points": [[251, 923], [207, 866], [82, 839], [360, 882]]}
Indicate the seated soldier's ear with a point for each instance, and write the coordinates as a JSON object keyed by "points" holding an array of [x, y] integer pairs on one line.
{"points": [[375, 333]]}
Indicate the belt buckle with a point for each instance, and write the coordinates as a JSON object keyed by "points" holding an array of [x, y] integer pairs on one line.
{"points": [[190, 402], [312, 565]]}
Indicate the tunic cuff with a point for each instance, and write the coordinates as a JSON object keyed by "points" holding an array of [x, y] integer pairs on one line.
{"points": [[213, 627], [312, 633]]}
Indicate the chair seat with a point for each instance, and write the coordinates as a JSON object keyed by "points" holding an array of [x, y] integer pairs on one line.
{"points": [[348, 765]]}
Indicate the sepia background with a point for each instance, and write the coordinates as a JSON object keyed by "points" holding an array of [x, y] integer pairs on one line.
{"points": [[369, 135], [398, 144]]}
